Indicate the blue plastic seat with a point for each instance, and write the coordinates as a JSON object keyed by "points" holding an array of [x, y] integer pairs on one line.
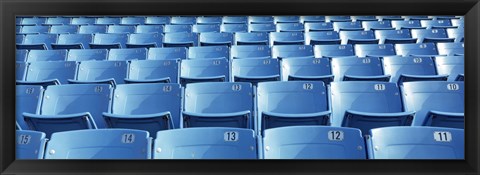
{"points": [[391, 18], [286, 19], [290, 27], [364, 18], [157, 20], [183, 20], [457, 22], [234, 20], [21, 55], [121, 29], [28, 99], [366, 105], [438, 23], [132, 21], [49, 73], [421, 49], [437, 104], [292, 51], [108, 21], [287, 38], [33, 21], [405, 69], [307, 69], [416, 17], [377, 25], [38, 42], [127, 54], [322, 38], [19, 39], [255, 70], [268, 27], [313, 142], [145, 106], [347, 26], [83, 21], [409, 24], [204, 70], [104, 72], [416, 143], [431, 35], [453, 66], [318, 26], [206, 143], [73, 41], [171, 28], [145, 40], [401, 36], [218, 104], [458, 34], [35, 29], [109, 41], [374, 50], [100, 144], [358, 69], [92, 29], [46, 55], [153, 71], [206, 28], [450, 49], [175, 53], [72, 29], [214, 39], [247, 38], [292, 103], [71, 107], [30, 144], [250, 51], [149, 29], [20, 70], [338, 18], [311, 19], [234, 28], [329, 51], [260, 20], [87, 54], [358, 37], [209, 52], [180, 39], [206, 20]]}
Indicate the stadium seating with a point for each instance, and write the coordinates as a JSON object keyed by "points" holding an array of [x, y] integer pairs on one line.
{"points": [[286, 19], [105, 72], [234, 28], [235, 19], [132, 21], [175, 53], [452, 66], [145, 40], [450, 49], [127, 54], [260, 20], [329, 51], [347, 26], [21, 55], [33, 21], [458, 34], [28, 98], [425, 49], [157, 20], [46, 55], [35, 30], [374, 50], [180, 39], [151, 107], [149, 29], [363, 18], [367, 105], [322, 38], [72, 29], [401, 36], [290, 27], [100, 144], [92, 29], [207, 20], [405, 69], [438, 104], [58, 21], [250, 51], [49, 73], [37, 42], [170, 28], [73, 41], [407, 24], [108, 21], [307, 69], [83, 21], [183, 20], [377, 25], [19, 39], [416, 143], [204, 70], [358, 37], [258, 38], [215, 39], [30, 144], [313, 142], [20, 70], [152, 71], [109, 41], [206, 143], [338, 18], [437, 23], [87, 54], [205, 28], [255, 70], [209, 52], [286, 38], [431, 35], [292, 51], [317, 27], [358, 69], [312, 19]]}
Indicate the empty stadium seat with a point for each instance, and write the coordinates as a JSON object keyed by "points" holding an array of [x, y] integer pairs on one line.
{"points": [[19, 39], [157, 20], [313, 142], [205, 28], [49, 73], [127, 54], [286, 19], [450, 49], [287, 38], [358, 37], [205, 20], [233, 28], [171, 28], [377, 25], [363, 18], [453, 66], [322, 38], [199, 143], [21, 55], [204, 70], [109, 72], [71, 107], [83, 21], [421, 49], [292, 103], [268, 27], [214, 39], [401, 36], [392, 18], [416, 143], [153, 71], [38, 42], [20, 70], [183, 20], [64, 29], [320, 26], [347, 26], [255, 70], [416, 17], [108, 21], [132, 21], [307, 69], [290, 27], [437, 104], [374, 50], [27, 99], [250, 51], [121, 29], [358, 69], [338, 18], [167, 53], [408, 24], [247, 38], [149, 29], [333, 50], [218, 104], [73, 41], [46, 55], [409, 68], [437, 23], [431, 35], [33, 21], [35, 29], [366, 105], [30, 144], [145, 40], [458, 34], [311, 19], [180, 39], [234, 19], [145, 106], [209, 52], [109, 41], [260, 20], [87, 54], [100, 144], [92, 29], [457, 22], [292, 51]]}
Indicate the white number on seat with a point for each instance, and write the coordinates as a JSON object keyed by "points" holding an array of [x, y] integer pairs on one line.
{"points": [[128, 138], [335, 135], [316, 61], [237, 87], [442, 136], [24, 139], [453, 87], [230, 136], [417, 60], [379, 87], [308, 86], [366, 60]]}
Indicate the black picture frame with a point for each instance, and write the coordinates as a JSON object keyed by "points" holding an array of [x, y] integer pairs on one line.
{"points": [[11, 8]]}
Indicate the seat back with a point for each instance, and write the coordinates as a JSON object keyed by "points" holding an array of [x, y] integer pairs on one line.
{"points": [[87, 54], [91, 71], [416, 49], [450, 65], [153, 70], [127, 54], [176, 53], [333, 50], [27, 99], [30, 144], [287, 38], [49, 70], [286, 51], [364, 50], [248, 38], [250, 51], [348, 67], [397, 65], [209, 52], [46, 55], [303, 67], [83, 39]]}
